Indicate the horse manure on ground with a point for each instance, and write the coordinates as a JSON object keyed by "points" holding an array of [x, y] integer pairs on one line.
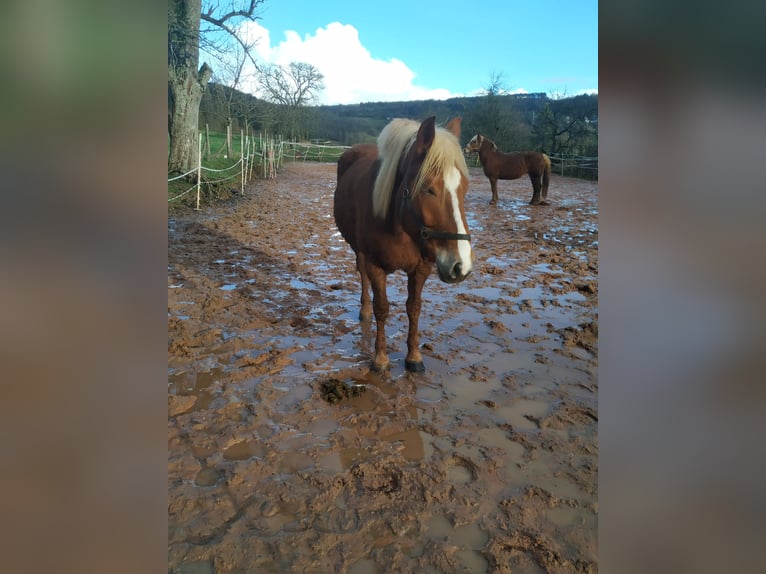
{"points": [[334, 390]]}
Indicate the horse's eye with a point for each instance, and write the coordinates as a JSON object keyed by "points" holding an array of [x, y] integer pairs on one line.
{"points": [[430, 191]]}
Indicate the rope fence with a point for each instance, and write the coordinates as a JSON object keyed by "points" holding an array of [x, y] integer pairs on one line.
{"points": [[269, 153], [560, 163], [183, 193], [567, 164]]}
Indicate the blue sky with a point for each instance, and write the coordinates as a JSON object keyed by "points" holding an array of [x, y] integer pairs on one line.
{"points": [[410, 49]]}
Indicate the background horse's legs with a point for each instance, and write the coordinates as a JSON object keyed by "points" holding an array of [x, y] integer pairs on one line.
{"points": [[415, 282], [365, 313], [537, 185], [493, 185], [377, 278]]}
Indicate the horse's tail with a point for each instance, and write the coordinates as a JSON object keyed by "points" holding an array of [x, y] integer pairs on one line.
{"points": [[546, 173]]}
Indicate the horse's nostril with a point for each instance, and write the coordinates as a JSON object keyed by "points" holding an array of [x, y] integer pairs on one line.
{"points": [[457, 270]]}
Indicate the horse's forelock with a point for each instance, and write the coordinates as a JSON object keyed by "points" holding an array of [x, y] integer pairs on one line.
{"points": [[445, 152], [394, 143]]}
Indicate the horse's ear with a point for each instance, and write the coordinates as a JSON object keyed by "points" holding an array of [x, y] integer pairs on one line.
{"points": [[426, 135], [454, 126]]}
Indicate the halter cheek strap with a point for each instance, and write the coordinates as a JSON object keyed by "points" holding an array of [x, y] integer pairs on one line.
{"points": [[427, 232]]}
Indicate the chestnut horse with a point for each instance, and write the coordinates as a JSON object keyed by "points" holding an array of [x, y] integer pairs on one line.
{"points": [[499, 165], [400, 205]]}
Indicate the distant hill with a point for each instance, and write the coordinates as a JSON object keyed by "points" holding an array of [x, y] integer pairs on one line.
{"points": [[513, 122]]}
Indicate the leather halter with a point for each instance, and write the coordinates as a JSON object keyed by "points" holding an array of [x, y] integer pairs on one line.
{"points": [[427, 232]]}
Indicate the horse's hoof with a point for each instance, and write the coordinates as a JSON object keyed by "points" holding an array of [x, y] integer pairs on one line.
{"points": [[415, 366], [380, 368]]}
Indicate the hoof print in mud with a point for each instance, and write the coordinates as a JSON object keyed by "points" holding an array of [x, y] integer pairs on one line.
{"points": [[377, 477], [334, 390]]}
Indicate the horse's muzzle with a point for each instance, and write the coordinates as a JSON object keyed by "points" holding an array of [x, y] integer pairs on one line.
{"points": [[453, 270]]}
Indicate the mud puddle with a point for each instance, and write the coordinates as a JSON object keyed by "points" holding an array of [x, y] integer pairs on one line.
{"points": [[286, 453]]}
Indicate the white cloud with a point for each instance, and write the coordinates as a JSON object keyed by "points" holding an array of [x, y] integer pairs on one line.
{"points": [[351, 73]]}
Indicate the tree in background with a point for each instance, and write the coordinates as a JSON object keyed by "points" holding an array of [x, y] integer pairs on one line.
{"points": [[495, 116], [491, 112], [293, 88], [187, 80], [564, 129], [230, 105]]}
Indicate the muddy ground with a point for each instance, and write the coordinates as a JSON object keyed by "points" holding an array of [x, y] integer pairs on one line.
{"points": [[287, 454]]}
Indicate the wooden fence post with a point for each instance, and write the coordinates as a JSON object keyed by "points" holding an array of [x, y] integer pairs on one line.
{"points": [[252, 160], [199, 169]]}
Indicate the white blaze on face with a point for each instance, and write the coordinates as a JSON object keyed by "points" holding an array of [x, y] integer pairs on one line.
{"points": [[451, 185]]}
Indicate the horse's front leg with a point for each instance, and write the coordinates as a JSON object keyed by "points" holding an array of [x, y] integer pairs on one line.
{"points": [[380, 307], [415, 282], [365, 313], [493, 185]]}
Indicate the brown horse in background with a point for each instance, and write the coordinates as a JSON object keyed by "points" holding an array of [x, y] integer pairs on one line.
{"points": [[500, 165], [400, 205]]}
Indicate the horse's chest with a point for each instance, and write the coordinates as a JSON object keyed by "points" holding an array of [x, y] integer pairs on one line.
{"points": [[394, 254]]}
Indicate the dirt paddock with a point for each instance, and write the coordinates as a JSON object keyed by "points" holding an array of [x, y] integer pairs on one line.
{"points": [[287, 454]]}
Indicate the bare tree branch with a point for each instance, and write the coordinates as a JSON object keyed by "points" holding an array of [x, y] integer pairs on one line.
{"points": [[296, 85], [221, 21]]}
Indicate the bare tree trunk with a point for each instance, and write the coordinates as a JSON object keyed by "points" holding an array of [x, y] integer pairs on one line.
{"points": [[186, 83], [186, 96]]}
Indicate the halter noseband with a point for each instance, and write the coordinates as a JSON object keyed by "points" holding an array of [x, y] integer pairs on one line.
{"points": [[427, 232]]}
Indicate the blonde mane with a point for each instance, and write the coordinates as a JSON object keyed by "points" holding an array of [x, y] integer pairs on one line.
{"points": [[394, 143]]}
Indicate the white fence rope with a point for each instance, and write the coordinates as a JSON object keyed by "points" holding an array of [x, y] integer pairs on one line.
{"points": [[242, 161], [182, 194], [211, 181], [224, 169], [573, 162], [272, 152], [182, 175], [562, 162]]}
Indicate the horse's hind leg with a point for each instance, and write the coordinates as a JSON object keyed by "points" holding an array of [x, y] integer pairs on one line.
{"points": [[537, 185], [377, 279], [365, 313]]}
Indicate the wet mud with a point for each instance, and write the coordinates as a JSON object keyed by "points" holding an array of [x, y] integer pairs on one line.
{"points": [[286, 453]]}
